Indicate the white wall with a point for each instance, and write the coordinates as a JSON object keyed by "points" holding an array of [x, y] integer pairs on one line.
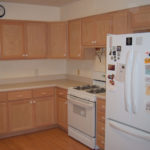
{"points": [[84, 8], [31, 68], [31, 12]]}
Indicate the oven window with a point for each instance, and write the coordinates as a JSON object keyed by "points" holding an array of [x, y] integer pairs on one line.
{"points": [[79, 110]]}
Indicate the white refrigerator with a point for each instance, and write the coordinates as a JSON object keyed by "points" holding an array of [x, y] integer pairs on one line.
{"points": [[128, 92]]}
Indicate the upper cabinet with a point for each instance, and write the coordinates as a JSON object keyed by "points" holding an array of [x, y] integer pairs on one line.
{"points": [[36, 39], [12, 39], [74, 39], [140, 18], [95, 29], [121, 22], [57, 40]]}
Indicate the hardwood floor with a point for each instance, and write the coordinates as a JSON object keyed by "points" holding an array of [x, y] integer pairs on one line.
{"points": [[53, 139]]}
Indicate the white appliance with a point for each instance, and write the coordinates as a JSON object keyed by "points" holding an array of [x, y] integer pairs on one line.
{"points": [[128, 92], [82, 110]]}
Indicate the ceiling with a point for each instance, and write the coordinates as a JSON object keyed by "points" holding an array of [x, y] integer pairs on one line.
{"points": [[44, 2]]}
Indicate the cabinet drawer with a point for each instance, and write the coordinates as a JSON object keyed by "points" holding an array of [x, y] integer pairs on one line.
{"points": [[101, 116], [43, 92], [100, 141], [101, 105], [3, 96], [17, 95], [61, 92], [101, 128]]}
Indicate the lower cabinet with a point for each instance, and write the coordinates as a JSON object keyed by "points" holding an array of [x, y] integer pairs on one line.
{"points": [[100, 130], [62, 118], [3, 118], [20, 115], [44, 111]]}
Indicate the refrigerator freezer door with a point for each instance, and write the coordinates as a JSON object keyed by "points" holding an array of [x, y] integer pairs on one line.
{"points": [[138, 114], [122, 137]]}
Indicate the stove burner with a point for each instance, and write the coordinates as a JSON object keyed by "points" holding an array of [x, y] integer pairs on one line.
{"points": [[84, 87], [96, 91]]}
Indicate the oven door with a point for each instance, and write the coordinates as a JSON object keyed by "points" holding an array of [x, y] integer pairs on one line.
{"points": [[81, 115]]}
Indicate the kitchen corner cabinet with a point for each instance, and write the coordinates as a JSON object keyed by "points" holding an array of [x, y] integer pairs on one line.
{"points": [[100, 123], [62, 113], [95, 29], [74, 38], [57, 40], [36, 39], [140, 18], [12, 39], [121, 22]]}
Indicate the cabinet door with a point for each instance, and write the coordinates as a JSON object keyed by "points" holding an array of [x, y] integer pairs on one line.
{"points": [[36, 39], [44, 111], [57, 41], [12, 40], [89, 31], [103, 27], [140, 18], [121, 22], [20, 115], [62, 116], [75, 49], [3, 118]]}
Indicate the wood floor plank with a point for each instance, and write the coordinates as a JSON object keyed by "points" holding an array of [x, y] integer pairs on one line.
{"points": [[53, 139]]}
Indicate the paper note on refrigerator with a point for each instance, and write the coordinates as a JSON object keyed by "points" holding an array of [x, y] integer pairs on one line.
{"points": [[148, 90], [120, 72]]}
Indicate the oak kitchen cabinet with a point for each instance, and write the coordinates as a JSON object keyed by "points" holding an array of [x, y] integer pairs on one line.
{"points": [[36, 39], [95, 29], [3, 113], [140, 18], [61, 100], [74, 39], [57, 40], [121, 22], [44, 106], [12, 40], [100, 130]]}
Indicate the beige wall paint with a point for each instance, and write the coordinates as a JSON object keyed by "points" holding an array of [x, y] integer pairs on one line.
{"points": [[84, 8], [31, 12], [31, 68]]}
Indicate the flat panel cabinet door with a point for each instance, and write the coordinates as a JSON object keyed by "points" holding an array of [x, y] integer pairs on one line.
{"points": [[36, 40], [12, 40], [121, 23], [75, 49], [89, 31], [44, 111], [57, 40], [140, 18], [3, 118], [103, 27], [62, 116], [20, 115]]}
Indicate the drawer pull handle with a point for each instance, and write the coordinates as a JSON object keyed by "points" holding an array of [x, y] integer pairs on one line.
{"points": [[34, 102], [19, 96], [43, 93]]}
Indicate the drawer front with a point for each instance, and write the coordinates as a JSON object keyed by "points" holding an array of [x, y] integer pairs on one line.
{"points": [[43, 92], [17, 95], [61, 92], [100, 141], [3, 96], [101, 116], [101, 128], [101, 105]]}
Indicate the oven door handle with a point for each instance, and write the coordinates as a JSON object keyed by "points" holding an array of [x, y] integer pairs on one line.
{"points": [[81, 103]]}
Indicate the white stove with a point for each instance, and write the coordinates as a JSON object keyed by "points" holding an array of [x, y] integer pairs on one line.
{"points": [[82, 110]]}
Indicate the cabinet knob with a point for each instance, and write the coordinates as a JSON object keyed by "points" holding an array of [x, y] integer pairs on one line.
{"points": [[34, 102], [65, 54], [79, 54], [30, 102]]}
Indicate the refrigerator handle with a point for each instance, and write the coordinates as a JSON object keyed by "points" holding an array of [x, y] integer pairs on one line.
{"points": [[134, 82], [127, 84], [129, 130]]}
